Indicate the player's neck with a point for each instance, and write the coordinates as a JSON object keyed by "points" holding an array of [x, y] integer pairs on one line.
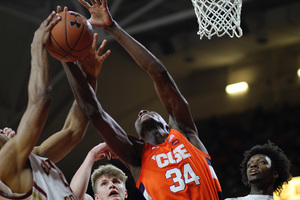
{"points": [[157, 137], [262, 190]]}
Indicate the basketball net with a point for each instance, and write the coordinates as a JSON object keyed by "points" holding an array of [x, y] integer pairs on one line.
{"points": [[218, 17]]}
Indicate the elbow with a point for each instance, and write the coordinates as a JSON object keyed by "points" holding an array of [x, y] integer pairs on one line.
{"points": [[158, 72], [156, 67], [45, 95], [91, 111], [75, 136], [75, 133]]}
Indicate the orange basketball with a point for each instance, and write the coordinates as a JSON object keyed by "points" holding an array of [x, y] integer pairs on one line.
{"points": [[71, 38]]}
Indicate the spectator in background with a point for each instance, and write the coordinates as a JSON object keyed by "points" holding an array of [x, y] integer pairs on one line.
{"points": [[265, 168]]}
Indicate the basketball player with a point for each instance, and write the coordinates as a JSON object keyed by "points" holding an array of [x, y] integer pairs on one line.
{"points": [[265, 168], [108, 181], [27, 172], [167, 161]]}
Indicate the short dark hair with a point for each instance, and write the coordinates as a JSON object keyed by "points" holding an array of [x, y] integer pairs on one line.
{"points": [[280, 162]]}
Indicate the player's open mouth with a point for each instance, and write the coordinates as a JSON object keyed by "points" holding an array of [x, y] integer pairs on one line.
{"points": [[113, 193], [254, 172]]}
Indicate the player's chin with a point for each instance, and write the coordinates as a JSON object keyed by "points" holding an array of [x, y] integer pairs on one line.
{"points": [[254, 180]]}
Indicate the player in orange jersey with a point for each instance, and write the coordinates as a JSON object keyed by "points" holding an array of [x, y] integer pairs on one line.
{"points": [[168, 160]]}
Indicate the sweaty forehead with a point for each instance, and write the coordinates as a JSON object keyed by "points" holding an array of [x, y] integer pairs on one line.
{"points": [[107, 178], [260, 157]]}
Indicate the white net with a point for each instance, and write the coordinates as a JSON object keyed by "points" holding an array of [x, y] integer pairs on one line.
{"points": [[218, 17]]}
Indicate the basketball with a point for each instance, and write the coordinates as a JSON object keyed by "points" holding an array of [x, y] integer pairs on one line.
{"points": [[71, 38]]}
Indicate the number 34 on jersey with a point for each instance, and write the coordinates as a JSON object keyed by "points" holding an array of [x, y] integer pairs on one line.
{"points": [[179, 178]]}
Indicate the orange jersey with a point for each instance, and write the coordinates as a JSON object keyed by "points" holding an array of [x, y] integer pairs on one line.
{"points": [[176, 169]]}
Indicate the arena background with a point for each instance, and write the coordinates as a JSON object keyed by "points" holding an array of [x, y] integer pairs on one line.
{"points": [[267, 57]]}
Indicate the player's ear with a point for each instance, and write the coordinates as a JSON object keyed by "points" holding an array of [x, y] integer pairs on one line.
{"points": [[126, 194], [167, 128]]}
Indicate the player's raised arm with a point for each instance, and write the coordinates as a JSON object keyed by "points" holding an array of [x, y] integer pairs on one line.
{"points": [[14, 154], [80, 180], [166, 88], [110, 131], [62, 142]]}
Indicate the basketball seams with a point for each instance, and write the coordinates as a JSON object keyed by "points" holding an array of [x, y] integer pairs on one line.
{"points": [[88, 46], [84, 30], [69, 28], [61, 47], [55, 41], [80, 36], [67, 22], [73, 49]]}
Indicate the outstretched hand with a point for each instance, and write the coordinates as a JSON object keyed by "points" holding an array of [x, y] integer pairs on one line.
{"points": [[100, 151], [92, 63], [41, 35], [100, 15]]}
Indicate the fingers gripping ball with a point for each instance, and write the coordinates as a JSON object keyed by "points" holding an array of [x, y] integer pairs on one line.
{"points": [[71, 38]]}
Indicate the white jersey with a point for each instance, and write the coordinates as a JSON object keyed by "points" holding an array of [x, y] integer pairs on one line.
{"points": [[48, 183], [253, 197]]}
